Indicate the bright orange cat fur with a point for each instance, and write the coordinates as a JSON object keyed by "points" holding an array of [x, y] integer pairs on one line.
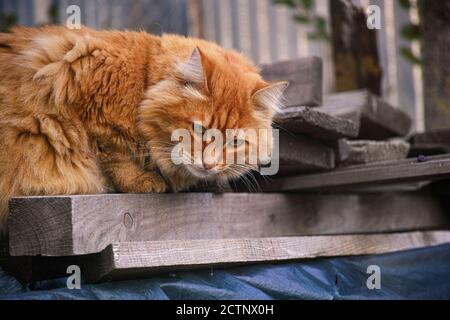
{"points": [[85, 111]]}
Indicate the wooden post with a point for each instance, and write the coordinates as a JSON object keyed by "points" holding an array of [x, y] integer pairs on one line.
{"points": [[355, 50], [436, 46]]}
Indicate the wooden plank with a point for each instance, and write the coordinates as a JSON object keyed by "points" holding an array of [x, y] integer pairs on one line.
{"points": [[129, 260], [304, 76], [428, 149], [378, 119], [212, 187], [74, 225], [433, 136], [431, 142], [300, 154], [368, 151], [319, 125], [134, 259], [392, 172]]}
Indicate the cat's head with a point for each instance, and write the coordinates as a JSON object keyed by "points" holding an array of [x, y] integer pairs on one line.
{"points": [[211, 95]]}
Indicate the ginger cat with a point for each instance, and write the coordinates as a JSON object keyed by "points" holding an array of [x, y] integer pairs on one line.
{"points": [[86, 111]]}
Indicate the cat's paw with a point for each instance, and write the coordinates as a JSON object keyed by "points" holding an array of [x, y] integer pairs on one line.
{"points": [[150, 182]]}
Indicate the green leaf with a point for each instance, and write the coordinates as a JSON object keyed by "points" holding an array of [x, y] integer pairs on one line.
{"points": [[410, 56], [307, 4], [289, 3], [53, 13], [405, 4], [321, 23], [302, 19], [411, 32]]}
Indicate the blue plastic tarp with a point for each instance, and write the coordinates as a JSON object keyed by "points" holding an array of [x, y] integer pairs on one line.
{"points": [[415, 274]]}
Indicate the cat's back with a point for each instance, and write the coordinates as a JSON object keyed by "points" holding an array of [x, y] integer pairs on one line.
{"points": [[11, 46], [14, 47], [55, 41], [15, 43]]}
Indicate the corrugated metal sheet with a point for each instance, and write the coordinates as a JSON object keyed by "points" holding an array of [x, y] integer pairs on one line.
{"points": [[262, 31]]}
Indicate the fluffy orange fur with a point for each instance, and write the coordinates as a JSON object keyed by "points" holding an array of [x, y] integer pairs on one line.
{"points": [[86, 111]]}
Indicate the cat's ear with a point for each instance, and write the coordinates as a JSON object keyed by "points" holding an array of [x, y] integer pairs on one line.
{"points": [[195, 69], [270, 97]]}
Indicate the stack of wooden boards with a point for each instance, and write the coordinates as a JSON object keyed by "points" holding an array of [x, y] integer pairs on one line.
{"points": [[347, 141], [340, 191]]}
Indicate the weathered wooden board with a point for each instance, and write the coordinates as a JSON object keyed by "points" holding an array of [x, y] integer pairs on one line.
{"points": [[354, 177], [212, 187], [74, 225], [304, 76], [431, 142], [378, 120], [428, 149], [368, 151], [301, 154], [319, 125], [138, 259], [434, 136]]}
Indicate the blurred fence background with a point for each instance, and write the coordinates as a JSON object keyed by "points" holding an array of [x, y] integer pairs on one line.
{"points": [[262, 30]]}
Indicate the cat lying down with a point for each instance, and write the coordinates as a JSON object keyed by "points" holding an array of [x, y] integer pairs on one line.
{"points": [[86, 111]]}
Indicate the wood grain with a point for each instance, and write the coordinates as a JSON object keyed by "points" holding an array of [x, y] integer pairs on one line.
{"points": [[304, 76], [392, 172], [300, 154], [134, 259], [129, 260], [368, 151], [378, 119], [316, 124], [74, 225]]}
